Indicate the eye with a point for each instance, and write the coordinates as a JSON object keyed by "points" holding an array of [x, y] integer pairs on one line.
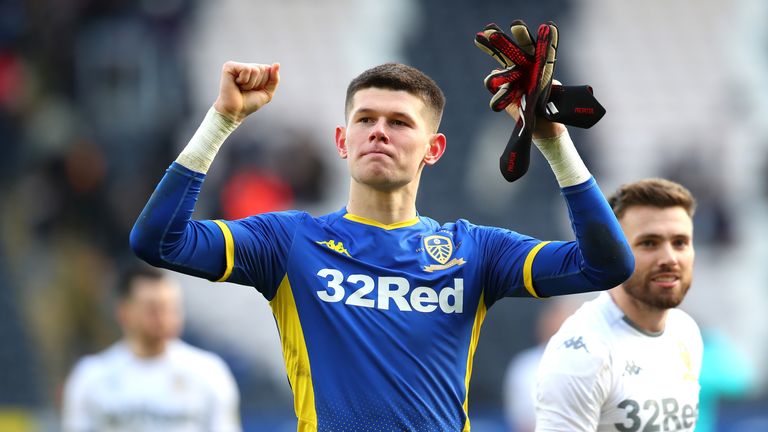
{"points": [[648, 243], [364, 120], [399, 123], [681, 242]]}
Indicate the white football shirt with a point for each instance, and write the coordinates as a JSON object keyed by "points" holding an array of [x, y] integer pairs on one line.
{"points": [[186, 389], [600, 372]]}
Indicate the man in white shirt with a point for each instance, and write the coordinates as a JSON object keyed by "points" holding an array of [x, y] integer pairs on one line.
{"points": [[629, 360], [150, 380]]}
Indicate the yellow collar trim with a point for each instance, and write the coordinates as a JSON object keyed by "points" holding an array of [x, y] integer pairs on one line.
{"points": [[362, 220]]}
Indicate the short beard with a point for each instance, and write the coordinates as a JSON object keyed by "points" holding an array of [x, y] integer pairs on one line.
{"points": [[641, 292]]}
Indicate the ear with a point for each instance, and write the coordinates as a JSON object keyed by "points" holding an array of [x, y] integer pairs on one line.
{"points": [[435, 149], [341, 141]]}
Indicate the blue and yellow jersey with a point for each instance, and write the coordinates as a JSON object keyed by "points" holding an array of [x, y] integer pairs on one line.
{"points": [[379, 323]]}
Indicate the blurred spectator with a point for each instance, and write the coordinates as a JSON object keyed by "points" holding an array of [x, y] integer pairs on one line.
{"points": [[150, 380]]}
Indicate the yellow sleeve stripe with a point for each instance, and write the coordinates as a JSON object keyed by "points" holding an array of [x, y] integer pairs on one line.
{"points": [[479, 318], [528, 269], [229, 245]]}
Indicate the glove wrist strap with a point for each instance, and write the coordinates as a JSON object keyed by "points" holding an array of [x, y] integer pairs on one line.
{"points": [[202, 148], [565, 161]]}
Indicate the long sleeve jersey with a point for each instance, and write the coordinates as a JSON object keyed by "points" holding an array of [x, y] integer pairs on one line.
{"points": [[379, 323]]}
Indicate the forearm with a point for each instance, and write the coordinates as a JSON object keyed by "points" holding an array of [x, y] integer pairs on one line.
{"points": [[202, 148], [558, 149], [165, 235]]}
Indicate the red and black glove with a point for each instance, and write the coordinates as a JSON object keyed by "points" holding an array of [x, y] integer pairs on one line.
{"points": [[526, 81], [516, 56], [528, 73]]}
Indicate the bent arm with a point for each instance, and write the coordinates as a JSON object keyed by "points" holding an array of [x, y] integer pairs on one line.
{"points": [[599, 259], [165, 235]]}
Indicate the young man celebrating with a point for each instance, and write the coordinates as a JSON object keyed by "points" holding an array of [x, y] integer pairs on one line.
{"points": [[628, 360], [150, 380], [378, 308]]}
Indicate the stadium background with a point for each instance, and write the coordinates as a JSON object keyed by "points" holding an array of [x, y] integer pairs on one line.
{"points": [[98, 96]]}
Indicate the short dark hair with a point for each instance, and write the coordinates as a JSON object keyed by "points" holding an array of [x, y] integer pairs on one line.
{"points": [[397, 76], [128, 276], [653, 192]]}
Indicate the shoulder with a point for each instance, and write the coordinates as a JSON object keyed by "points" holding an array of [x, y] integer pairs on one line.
{"points": [[281, 217], [93, 366], [582, 344], [680, 322], [482, 232], [679, 317]]}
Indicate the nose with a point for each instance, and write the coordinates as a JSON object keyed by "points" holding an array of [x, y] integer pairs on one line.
{"points": [[667, 255], [379, 132]]}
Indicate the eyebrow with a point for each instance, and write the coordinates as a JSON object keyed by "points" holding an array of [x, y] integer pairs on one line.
{"points": [[392, 113], [654, 236]]}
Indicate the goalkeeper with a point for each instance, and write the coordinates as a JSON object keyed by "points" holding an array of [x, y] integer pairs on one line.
{"points": [[378, 308]]}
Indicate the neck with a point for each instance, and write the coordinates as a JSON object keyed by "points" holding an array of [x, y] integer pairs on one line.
{"points": [[648, 318], [384, 206], [146, 349]]}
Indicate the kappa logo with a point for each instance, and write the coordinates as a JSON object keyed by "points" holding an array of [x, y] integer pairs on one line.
{"points": [[440, 248], [335, 246], [576, 343], [631, 368]]}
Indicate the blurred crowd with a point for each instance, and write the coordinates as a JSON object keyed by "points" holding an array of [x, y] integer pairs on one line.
{"points": [[98, 96]]}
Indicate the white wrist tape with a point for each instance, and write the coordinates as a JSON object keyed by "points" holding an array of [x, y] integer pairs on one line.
{"points": [[202, 148], [565, 161]]}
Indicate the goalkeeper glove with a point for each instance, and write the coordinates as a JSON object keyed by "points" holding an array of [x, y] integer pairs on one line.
{"points": [[526, 81], [528, 71], [516, 56]]}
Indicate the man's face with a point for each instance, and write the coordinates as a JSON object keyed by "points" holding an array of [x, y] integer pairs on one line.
{"points": [[152, 313], [388, 138], [662, 242]]}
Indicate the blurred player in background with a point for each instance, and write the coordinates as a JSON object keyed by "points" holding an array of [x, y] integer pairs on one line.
{"points": [[378, 308], [630, 360], [150, 380]]}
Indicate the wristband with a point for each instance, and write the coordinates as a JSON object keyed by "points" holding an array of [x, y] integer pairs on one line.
{"points": [[205, 143], [565, 161]]}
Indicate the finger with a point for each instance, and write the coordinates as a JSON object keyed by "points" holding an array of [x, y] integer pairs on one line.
{"points": [[507, 95], [274, 78], [498, 77], [482, 42], [243, 76], [513, 110], [549, 34], [257, 78], [508, 47], [523, 37]]}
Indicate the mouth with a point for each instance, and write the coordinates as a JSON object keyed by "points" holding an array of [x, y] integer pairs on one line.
{"points": [[666, 280], [377, 152]]}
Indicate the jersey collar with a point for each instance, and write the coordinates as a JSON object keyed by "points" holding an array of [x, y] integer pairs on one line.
{"points": [[371, 222]]}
